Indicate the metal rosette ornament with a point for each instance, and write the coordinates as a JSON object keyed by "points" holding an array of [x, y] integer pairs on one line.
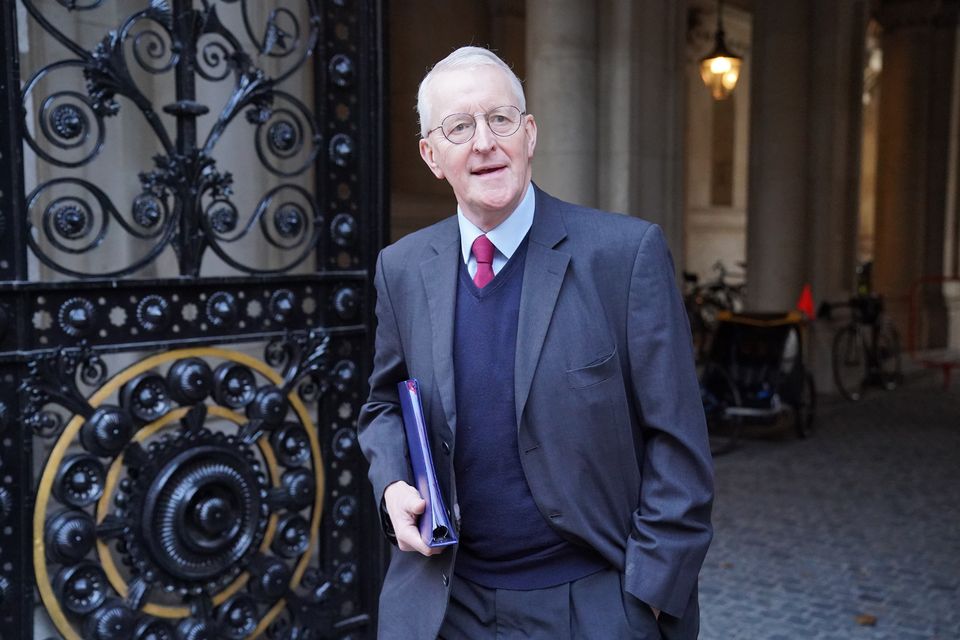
{"points": [[183, 500]]}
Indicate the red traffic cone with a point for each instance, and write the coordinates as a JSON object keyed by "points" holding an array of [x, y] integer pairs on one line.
{"points": [[805, 302]]}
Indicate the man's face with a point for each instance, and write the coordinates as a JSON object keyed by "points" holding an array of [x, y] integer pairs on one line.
{"points": [[489, 174]]}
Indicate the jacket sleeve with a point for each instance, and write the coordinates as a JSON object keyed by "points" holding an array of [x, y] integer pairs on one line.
{"points": [[671, 527], [380, 425]]}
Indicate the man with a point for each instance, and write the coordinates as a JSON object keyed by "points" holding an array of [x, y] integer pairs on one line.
{"points": [[557, 379]]}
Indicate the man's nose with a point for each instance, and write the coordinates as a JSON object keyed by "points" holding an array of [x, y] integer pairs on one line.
{"points": [[483, 138]]}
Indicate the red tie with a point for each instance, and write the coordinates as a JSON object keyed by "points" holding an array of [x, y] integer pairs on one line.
{"points": [[483, 251]]}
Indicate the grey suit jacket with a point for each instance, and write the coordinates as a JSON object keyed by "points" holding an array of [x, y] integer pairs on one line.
{"points": [[611, 430]]}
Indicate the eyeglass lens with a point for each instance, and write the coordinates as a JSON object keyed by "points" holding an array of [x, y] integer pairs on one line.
{"points": [[460, 127]]}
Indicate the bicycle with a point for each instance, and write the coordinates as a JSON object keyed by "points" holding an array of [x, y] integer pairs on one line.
{"points": [[866, 351], [704, 300]]}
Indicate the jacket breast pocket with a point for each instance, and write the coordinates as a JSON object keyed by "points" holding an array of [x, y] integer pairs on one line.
{"points": [[594, 373]]}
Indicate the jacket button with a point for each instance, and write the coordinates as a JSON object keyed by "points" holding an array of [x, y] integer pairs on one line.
{"points": [[446, 580], [445, 446]]}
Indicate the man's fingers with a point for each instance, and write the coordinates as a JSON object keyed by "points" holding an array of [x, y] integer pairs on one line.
{"points": [[408, 535], [416, 506], [409, 540], [400, 496], [404, 505]]}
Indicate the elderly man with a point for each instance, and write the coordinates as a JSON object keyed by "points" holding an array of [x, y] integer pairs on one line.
{"points": [[557, 380]]}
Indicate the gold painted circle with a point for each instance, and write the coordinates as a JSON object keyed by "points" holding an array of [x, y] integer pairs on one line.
{"points": [[113, 477], [57, 615]]}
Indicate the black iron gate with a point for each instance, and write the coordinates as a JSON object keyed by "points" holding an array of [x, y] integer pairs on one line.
{"points": [[191, 195]]}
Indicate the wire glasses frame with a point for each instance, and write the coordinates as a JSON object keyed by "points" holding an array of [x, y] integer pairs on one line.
{"points": [[459, 128]]}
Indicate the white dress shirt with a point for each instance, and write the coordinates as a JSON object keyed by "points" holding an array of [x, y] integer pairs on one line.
{"points": [[506, 236]]}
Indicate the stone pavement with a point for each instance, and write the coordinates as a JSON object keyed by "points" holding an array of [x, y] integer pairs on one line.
{"points": [[852, 534]]}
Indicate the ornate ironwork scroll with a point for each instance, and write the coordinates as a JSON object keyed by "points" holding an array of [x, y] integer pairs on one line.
{"points": [[185, 199], [157, 479]]}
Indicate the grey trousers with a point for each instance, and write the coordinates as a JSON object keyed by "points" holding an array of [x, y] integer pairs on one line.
{"points": [[592, 608]]}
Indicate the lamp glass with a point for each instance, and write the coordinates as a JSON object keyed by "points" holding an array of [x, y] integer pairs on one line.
{"points": [[720, 73]]}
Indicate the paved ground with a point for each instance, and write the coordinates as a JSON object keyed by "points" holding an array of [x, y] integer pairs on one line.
{"points": [[852, 534]]}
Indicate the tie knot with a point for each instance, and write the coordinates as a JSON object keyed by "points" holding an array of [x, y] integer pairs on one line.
{"points": [[483, 250]]}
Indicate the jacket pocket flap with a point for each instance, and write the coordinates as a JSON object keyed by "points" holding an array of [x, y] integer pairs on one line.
{"points": [[594, 373]]}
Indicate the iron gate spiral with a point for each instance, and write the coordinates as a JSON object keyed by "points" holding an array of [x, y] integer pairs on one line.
{"points": [[191, 198]]}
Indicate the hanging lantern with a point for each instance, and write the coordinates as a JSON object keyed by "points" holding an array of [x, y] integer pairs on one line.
{"points": [[720, 69]]}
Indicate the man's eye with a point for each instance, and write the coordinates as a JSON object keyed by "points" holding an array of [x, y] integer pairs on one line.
{"points": [[460, 127], [499, 118]]}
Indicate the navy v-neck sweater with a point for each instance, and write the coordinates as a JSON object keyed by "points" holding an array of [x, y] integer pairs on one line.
{"points": [[505, 542]]}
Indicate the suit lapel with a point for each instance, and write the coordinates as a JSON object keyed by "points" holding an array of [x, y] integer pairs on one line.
{"points": [[439, 274], [542, 278]]}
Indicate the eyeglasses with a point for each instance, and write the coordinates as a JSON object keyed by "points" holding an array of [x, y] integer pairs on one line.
{"points": [[459, 127]]}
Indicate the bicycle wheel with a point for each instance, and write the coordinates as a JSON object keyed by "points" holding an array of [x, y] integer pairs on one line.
{"points": [[698, 329], [888, 356], [849, 363], [718, 393], [805, 411]]}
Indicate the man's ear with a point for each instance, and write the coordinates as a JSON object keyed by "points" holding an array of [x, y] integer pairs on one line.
{"points": [[428, 153], [530, 128]]}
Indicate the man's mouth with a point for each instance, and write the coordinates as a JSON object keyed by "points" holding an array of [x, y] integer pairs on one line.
{"points": [[482, 171]]}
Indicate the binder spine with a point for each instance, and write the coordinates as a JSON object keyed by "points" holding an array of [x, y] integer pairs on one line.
{"points": [[435, 527]]}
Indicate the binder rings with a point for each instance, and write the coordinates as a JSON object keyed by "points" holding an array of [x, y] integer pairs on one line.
{"points": [[435, 526]]}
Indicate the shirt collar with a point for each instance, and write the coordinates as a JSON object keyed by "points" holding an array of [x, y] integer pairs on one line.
{"points": [[507, 235]]}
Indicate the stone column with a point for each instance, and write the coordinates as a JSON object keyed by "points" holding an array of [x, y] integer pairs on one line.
{"points": [[508, 24], [778, 200], [804, 158], [804, 149], [561, 93], [838, 31], [642, 104], [913, 156], [616, 75], [610, 109]]}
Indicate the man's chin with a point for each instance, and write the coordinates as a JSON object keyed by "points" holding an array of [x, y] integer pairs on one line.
{"points": [[498, 197], [498, 207]]}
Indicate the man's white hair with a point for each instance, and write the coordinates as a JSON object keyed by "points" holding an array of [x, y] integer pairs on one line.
{"points": [[464, 58]]}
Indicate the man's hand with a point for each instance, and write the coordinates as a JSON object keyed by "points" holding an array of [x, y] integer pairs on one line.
{"points": [[404, 505]]}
